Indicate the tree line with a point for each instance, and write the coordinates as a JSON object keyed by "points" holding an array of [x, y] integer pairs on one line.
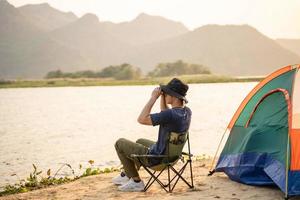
{"points": [[118, 72], [128, 72], [178, 68]]}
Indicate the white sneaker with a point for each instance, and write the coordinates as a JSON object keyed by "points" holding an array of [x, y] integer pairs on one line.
{"points": [[132, 186], [120, 180]]}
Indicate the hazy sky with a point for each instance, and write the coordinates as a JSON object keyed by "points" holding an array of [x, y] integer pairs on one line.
{"points": [[274, 18]]}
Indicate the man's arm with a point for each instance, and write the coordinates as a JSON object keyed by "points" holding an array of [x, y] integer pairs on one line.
{"points": [[144, 117], [163, 105]]}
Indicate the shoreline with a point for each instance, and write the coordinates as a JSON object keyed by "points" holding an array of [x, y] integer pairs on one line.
{"points": [[42, 178], [68, 82], [218, 186]]}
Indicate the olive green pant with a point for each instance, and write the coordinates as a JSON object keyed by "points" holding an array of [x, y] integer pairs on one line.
{"points": [[124, 150]]}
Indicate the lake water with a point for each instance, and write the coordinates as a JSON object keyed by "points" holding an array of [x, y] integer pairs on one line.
{"points": [[49, 126]]}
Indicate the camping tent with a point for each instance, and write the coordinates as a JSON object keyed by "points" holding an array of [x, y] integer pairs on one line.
{"points": [[263, 146]]}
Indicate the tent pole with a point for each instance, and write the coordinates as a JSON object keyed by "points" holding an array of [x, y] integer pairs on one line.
{"points": [[288, 154], [211, 171], [287, 167]]}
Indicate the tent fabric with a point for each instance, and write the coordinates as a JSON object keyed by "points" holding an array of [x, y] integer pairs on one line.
{"points": [[263, 146], [253, 168], [296, 103], [258, 87], [294, 183], [259, 140], [295, 152], [284, 81], [270, 110], [259, 169]]}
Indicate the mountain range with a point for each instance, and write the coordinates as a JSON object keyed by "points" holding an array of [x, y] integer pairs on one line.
{"points": [[37, 38], [291, 44]]}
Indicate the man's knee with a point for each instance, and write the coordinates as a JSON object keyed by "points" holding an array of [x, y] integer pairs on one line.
{"points": [[140, 141], [119, 143]]}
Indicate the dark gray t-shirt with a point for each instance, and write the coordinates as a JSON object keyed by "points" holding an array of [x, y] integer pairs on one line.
{"points": [[170, 120]]}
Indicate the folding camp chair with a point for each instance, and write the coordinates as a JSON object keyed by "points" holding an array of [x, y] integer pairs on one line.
{"points": [[174, 152]]}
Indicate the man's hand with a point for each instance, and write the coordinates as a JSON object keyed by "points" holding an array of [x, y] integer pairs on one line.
{"points": [[144, 117], [163, 104], [156, 92]]}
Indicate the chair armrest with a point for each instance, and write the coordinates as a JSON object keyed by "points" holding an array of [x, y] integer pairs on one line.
{"points": [[187, 154], [148, 156]]}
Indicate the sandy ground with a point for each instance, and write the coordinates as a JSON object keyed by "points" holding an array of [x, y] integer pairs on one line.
{"points": [[98, 187]]}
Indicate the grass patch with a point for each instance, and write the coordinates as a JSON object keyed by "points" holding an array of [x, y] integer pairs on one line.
{"points": [[198, 78], [36, 180]]}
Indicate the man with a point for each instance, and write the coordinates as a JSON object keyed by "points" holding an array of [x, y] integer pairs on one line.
{"points": [[175, 119]]}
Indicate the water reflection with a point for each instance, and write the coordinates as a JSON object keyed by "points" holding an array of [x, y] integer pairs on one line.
{"points": [[48, 126]]}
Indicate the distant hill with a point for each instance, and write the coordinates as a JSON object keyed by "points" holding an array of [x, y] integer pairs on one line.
{"points": [[145, 29], [36, 39], [15, 27], [45, 17], [87, 36], [26, 51], [229, 49], [290, 44]]}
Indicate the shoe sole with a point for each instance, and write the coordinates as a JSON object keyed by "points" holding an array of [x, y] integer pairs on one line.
{"points": [[119, 183], [131, 190]]}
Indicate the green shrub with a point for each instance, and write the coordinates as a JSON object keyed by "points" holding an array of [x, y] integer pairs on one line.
{"points": [[178, 68]]}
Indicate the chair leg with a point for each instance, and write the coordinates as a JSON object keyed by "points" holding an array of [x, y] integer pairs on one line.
{"points": [[180, 172], [155, 178], [179, 175], [175, 176], [146, 186], [191, 169], [169, 183]]}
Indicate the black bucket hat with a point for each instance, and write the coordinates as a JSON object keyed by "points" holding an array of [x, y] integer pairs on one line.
{"points": [[176, 88]]}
